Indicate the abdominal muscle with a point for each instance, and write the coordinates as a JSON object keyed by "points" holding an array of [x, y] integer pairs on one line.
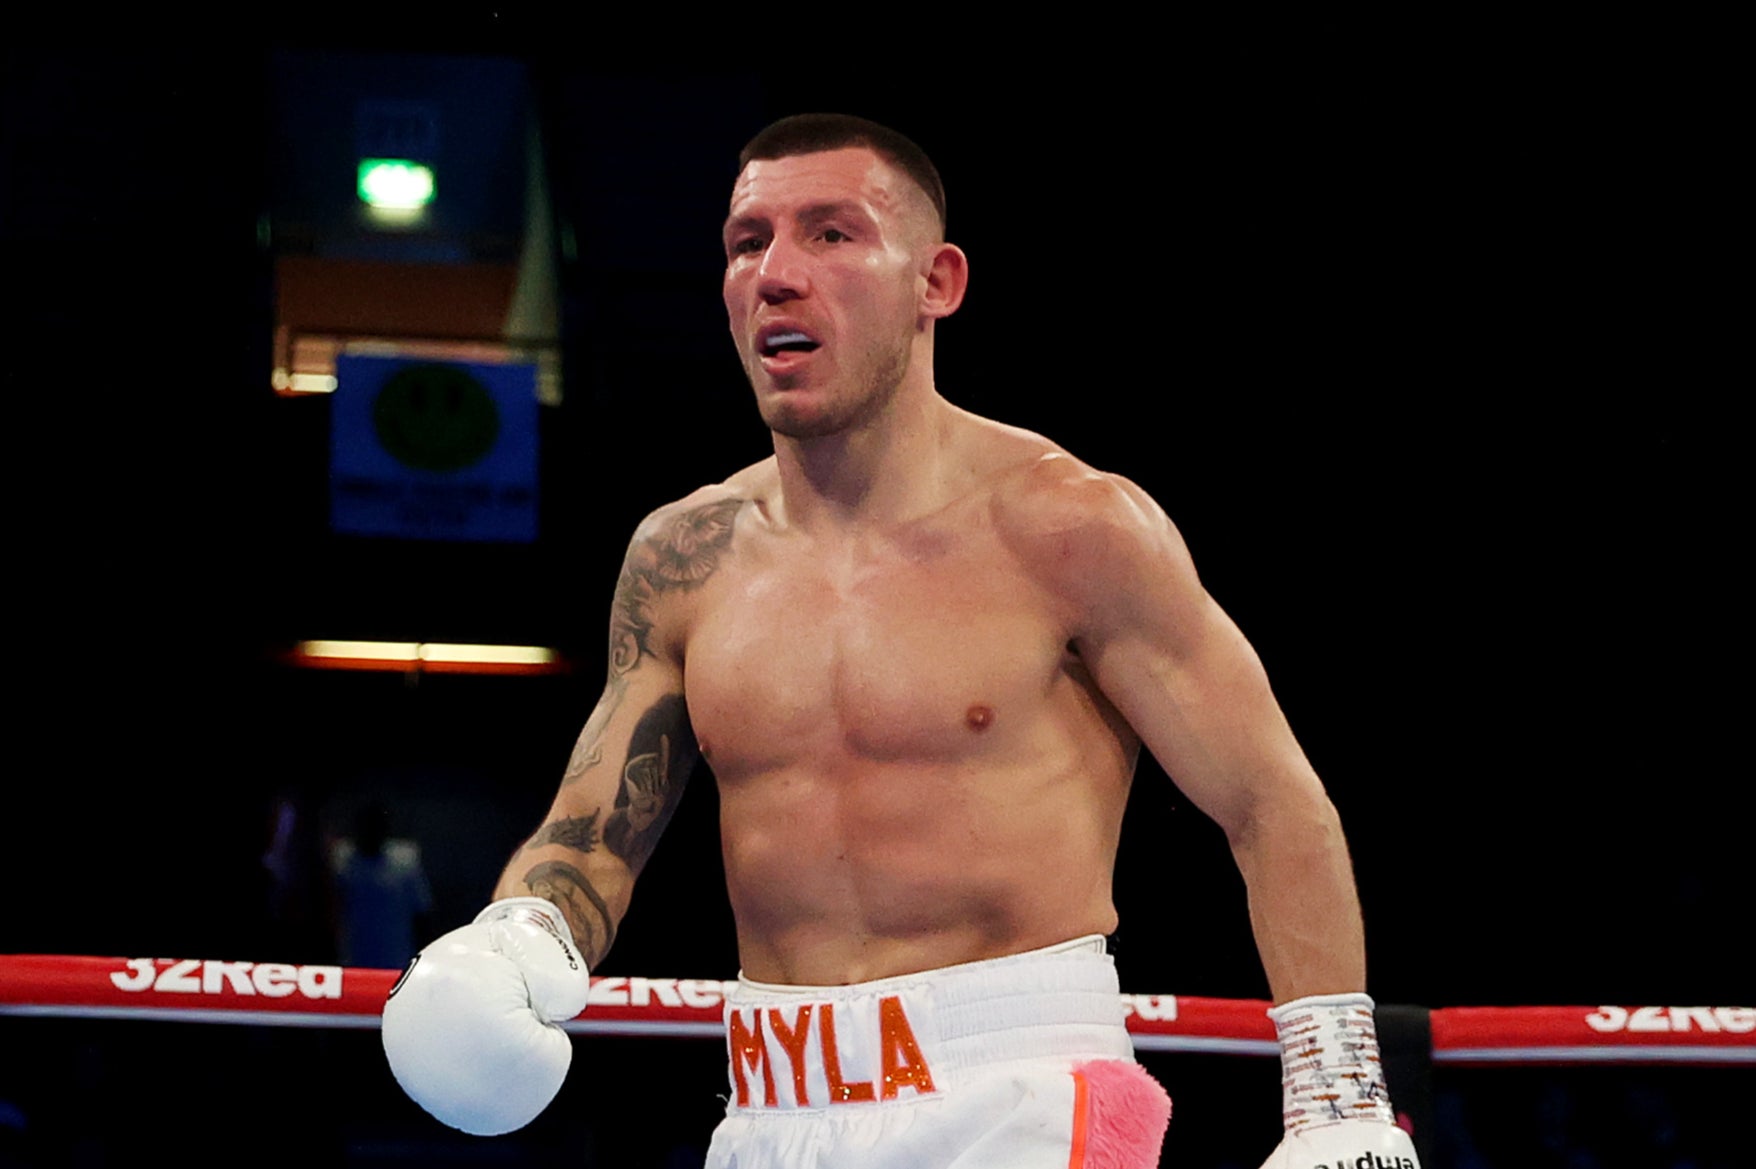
{"points": [[858, 872]]}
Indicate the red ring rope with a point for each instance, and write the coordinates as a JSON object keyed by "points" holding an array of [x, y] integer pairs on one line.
{"points": [[282, 994]]}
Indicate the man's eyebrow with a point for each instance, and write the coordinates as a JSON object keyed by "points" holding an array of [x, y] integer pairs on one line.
{"points": [[810, 216], [818, 212], [736, 223]]}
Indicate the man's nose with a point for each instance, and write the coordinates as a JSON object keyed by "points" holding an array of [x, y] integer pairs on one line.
{"points": [[782, 276]]}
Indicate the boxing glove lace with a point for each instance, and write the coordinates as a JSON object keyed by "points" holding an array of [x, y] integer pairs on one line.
{"points": [[1336, 1107], [471, 1029]]}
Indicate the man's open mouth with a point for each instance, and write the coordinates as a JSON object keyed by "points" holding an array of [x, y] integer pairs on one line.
{"points": [[791, 341]]}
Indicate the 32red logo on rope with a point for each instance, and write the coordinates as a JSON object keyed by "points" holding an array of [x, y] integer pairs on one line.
{"points": [[197, 976], [1734, 1019]]}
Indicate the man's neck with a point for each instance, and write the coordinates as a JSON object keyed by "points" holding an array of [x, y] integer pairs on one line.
{"points": [[885, 471]]}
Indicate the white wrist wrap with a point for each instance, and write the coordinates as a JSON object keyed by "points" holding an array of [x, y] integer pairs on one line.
{"points": [[1330, 1070], [536, 909], [533, 934]]}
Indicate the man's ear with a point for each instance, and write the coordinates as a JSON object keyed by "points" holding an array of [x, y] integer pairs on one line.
{"points": [[947, 277]]}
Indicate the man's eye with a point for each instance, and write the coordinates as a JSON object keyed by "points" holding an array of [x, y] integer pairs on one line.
{"points": [[834, 235], [749, 245]]}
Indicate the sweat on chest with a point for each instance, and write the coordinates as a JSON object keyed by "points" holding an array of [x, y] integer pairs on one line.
{"points": [[898, 671]]}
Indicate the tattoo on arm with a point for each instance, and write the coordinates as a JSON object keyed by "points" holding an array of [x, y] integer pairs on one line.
{"points": [[588, 751], [679, 558], [579, 833], [572, 892], [661, 753]]}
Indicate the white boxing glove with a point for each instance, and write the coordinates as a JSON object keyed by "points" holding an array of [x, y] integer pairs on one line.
{"points": [[1336, 1107], [471, 1028]]}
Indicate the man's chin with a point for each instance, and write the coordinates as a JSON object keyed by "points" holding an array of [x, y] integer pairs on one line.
{"points": [[803, 424], [791, 410], [797, 408]]}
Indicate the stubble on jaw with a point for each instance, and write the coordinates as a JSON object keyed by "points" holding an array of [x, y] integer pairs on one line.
{"points": [[882, 383]]}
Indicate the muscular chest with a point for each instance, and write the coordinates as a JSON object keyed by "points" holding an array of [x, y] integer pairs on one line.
{"points": [[932, 656]]}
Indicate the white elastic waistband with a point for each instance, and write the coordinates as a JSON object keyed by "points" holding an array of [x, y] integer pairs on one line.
{"points": [[901, 1039]]}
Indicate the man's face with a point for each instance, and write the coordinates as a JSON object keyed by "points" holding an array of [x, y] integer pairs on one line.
{"points": [[823, 285]]}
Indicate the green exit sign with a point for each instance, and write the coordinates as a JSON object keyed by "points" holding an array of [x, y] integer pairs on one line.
{"points": [[395, 184]]}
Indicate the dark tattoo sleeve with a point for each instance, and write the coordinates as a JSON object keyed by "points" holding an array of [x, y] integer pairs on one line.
{"points": [[661, 753], [579, 833], [587, 914], [679, 558]]}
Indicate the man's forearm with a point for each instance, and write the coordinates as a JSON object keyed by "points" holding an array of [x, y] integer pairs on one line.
{"points": [[554, 865], [604, 824], [1304, 907]]}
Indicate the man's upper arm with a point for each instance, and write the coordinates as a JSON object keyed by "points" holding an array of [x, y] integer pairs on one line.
{"points": [[1183, 676], [1167, 656], [634, 756]]}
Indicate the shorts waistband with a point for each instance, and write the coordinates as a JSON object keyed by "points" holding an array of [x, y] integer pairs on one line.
{"points": [[906, 1038]]}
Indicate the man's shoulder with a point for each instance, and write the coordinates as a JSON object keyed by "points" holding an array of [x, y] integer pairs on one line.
{"points": [[1076, 527], [1036, 478], [1054, 495], [710, 505]]}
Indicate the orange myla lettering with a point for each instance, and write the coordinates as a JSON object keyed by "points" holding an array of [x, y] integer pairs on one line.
{"points": [[792, 1041], [747, 1047], [839, 1093], [897, 1039]]}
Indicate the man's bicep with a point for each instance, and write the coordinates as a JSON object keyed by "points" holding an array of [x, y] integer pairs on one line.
{"points": [[653, 766], [1163, 651], [637, 748], [1195, 691]]}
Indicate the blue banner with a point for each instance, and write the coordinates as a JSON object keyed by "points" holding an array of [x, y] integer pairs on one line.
{"points": [[434, 450]]}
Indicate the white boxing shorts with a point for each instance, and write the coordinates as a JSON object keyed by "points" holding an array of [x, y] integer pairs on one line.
{"points": [[1020, 1062]]}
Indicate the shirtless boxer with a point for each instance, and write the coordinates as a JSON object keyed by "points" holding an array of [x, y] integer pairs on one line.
{"points": [[920, 651]]}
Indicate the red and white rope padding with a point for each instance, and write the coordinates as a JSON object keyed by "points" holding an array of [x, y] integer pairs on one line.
{"points": [[281, 994], [1522, 1035]]}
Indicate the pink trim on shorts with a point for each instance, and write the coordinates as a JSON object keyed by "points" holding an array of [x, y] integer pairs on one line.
{"points": [[1120, 1114]]}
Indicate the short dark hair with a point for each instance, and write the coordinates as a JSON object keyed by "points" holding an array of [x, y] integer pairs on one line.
{"points": [[814, 133]]}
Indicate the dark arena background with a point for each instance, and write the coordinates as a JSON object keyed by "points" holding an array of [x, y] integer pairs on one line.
{"points": [[1415, 348]]}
